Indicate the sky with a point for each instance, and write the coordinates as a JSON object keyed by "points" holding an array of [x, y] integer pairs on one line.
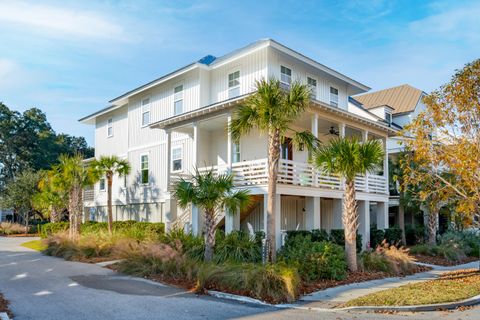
{"points": [[69, 58]]}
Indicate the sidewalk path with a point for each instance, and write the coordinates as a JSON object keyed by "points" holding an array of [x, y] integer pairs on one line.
{"points": [[332, 297]]}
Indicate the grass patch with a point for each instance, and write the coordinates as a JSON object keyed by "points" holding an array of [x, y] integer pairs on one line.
{"points": [[38, 245], [450, 287]]}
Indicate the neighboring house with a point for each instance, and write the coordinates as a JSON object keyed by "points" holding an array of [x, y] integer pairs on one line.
{"points": [[399, 105], [6, 215], [179, 121]]}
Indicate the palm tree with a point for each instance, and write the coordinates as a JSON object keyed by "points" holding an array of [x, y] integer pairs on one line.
{"points": [[210, 193], [109, 166], [74, 176], [272, 110], [347, 157], [51, 200]]}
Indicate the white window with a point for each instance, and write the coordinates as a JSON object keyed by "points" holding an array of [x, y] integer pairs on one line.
{"points": [[102, 184], [234, 84], [177, 159], [144, 168], [178, 100], [333, 97], [388, 117], [312, 85], [285, 75], [110, 127], [145, 112], [236, 152]]}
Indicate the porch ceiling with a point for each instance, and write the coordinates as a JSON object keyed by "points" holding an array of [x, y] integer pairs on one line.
{"points": [[223, 108]]}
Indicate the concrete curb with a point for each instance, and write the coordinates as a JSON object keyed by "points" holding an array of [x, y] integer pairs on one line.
{"points": [[418, 308], [235, 297], [108, 263], [4, 316]]}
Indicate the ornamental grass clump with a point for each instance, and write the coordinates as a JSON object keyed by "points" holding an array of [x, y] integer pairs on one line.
{"points": [[273, 283], [236, 247], [388, 258], [8, 228]]}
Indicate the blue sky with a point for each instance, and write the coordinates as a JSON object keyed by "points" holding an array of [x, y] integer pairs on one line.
{"points": [[69, 58]]}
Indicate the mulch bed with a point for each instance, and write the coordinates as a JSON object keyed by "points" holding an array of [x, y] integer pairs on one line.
{"points": [[353, 277], [441, 261], [4, 306]]}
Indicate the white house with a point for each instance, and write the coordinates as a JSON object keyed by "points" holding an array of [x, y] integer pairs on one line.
{"points": [[179, 121], [399, 105]]}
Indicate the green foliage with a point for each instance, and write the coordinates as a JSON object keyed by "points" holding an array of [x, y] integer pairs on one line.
{"points": [[52, 228], [468, 241], [84, 248], [314, 260], [236, 247], [414, 234], [192, 246], [29, 142], [390, 235], [274, 283], [449, 252], [315, 235], [337, 236]]}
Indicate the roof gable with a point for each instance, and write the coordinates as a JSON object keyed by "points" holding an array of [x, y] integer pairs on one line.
{"points": [[402, 98]]}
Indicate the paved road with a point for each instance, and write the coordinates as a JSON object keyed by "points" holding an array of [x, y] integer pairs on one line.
{"points": [[41, 287]]}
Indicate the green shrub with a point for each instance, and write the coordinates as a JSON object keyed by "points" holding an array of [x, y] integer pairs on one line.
{"points": [[236, 247], [393, 236], [414, 234], [376, 236], [192, 246], [274, 283], [448, 251], [84, 248], [468, 241], [337, 236], [314, 260], [52, 228]]}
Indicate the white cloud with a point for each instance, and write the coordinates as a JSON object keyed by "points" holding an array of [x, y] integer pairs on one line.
{"points": [[59, 21], [459, 23]]}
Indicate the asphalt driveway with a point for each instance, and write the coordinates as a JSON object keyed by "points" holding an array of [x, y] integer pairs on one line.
{"points": [[41, 287]]}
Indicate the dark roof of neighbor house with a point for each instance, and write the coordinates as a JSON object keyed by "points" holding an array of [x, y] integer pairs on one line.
{"points": [[402, 99]]}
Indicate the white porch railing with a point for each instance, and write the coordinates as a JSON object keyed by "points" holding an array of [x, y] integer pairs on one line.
{"points": [[88, 194], [255, 172]]}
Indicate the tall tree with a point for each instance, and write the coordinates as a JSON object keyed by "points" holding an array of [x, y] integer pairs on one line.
{"points": [[348, 158], [19, 194], [51, 199], [272, 110], [445, 139], [110, 166], [210, 193]]}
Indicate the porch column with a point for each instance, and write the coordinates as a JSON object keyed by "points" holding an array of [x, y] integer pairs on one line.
{"points": [[312, 210], [315, 125], [341, 135], [195, 221], [365, 139], [278, 221], [195, 147], [364, 222], [382, 215], [229, 143], [385, 165], [169, 157], [170, 213], [232, 221]]}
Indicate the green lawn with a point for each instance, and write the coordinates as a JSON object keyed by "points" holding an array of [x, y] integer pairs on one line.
{"points": [[35, 245], [450, 287]]}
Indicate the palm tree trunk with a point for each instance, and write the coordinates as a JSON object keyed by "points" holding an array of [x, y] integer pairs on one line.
{"points": [[109, 203], [75, 208], [273, 159], [350, 223], [210, 235], [432, 226]]}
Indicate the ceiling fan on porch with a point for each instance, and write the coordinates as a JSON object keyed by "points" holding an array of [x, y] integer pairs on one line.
{"points": [[332, 131]]}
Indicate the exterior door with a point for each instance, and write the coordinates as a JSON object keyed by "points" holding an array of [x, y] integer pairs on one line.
{"points": [[286, 149]]}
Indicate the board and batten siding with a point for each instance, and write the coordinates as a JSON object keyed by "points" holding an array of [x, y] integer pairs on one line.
{"points": [[116, 144], [252, 67], [300, 72]]}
